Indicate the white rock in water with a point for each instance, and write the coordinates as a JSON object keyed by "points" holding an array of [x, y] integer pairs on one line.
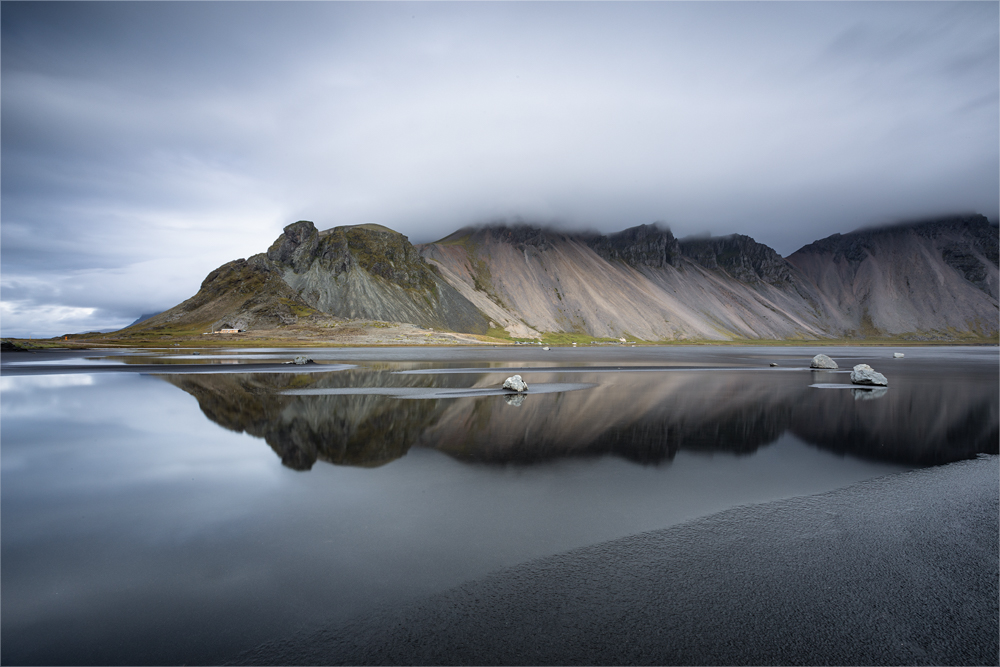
{"points": [[545, 348], [773, 364], [823, 361], [865, 374], [897, 355], [301, 361], [515, 383]]}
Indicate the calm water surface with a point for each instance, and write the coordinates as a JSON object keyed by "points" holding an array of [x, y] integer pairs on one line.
{"points": [[166, 515]]}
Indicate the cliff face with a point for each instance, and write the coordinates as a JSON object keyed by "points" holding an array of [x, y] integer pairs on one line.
{"points": [[366, 271], [741, 257], [937, 277], [369, 272], [645, 245]]}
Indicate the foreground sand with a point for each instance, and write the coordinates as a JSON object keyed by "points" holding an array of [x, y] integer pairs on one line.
{"points": [[899, 570]]}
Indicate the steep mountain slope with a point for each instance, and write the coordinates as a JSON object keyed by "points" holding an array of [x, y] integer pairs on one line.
{"points": [[639, 282], [934, 277], [365, 271]]}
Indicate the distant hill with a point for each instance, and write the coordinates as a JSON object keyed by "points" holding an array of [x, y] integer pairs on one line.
{"points": [[144, 317], [932, 279]]}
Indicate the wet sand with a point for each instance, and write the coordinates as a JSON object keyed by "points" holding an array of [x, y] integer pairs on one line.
{"points": [[898, 570]]}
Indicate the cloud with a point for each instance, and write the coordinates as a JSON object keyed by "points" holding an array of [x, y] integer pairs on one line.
{"points": [[174, 136]]}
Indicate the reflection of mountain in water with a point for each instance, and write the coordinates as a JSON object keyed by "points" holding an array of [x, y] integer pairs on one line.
{"points": [[344, 430], [933, 421], [645, 417]]}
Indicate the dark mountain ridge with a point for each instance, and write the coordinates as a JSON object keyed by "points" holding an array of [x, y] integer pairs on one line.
{"points": [[923, 279], [646, 245], [739, 256]]}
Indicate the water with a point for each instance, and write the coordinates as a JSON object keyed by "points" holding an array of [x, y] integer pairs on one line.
{"points": [[187, 516]]}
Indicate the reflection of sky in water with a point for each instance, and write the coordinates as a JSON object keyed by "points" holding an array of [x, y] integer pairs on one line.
{"points": [[23, 384], [132, 522], [83, 361], [94, 431]]}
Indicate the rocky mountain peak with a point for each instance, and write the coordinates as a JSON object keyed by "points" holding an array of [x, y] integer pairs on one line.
{"points": [[521, 235], [296, 247], [853, 245], [646, 245], [378, 250], [967, 243], [738, 255]]}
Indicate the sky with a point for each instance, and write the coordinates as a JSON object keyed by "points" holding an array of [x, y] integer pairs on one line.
{"points": [[144, 144]]}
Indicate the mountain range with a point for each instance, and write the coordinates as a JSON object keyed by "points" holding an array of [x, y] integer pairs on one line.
{"points": [[927, 279]]}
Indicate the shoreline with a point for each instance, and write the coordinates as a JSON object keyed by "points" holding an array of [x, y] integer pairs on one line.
{"points": [[35, 345], [45, 361], [901, 569]]}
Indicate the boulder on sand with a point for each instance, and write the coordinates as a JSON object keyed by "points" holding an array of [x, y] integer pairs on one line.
{"points": [[823, 361], [866, 375], [515, 383]]}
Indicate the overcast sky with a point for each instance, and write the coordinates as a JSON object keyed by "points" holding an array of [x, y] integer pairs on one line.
{"points": [[145, 144]]}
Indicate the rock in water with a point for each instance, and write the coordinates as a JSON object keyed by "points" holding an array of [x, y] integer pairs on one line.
{"points": [[773, 364], [515, 383], [897, 355], [865, 374], [823, 361], [302, 361]]}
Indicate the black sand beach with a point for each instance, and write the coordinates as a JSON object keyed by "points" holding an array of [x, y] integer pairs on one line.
{"points": [[898, 570]]}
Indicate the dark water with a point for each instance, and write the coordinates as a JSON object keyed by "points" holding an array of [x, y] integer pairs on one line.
{"points": [[187, 516]]}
